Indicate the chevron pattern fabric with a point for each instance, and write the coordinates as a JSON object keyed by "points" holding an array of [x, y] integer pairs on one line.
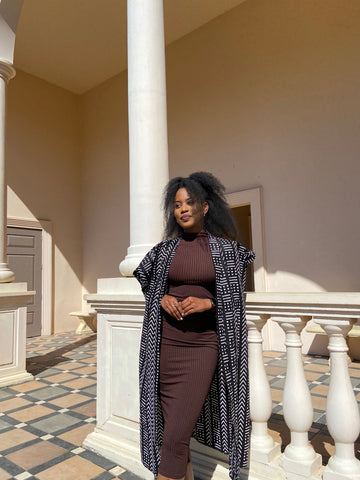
{"points": [[224, 421]]}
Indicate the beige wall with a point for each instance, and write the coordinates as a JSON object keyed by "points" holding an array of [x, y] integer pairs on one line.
{"points": [[105, 176], [43, 174], [265, 95]]}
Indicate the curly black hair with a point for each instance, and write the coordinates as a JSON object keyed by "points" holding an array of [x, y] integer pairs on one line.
{"points": [[203, 187]]}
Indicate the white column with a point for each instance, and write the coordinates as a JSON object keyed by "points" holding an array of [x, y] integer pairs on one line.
{"points": [[342, 412], [147, 127], [7, 72], [263, 447], [299, 456], [119, 302]]}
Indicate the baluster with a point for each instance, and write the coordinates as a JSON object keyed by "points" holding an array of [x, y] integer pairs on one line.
{"points": [[263, 447], [299, 456], [342, 413]]}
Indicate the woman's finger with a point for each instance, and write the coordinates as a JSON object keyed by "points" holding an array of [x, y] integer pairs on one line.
{"points": [[194, 305], [173, 307], [176, 310], [187, 303], [189, 306]]}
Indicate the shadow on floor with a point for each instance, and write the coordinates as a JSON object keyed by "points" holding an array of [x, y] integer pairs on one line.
{"points": [[38, 364]]}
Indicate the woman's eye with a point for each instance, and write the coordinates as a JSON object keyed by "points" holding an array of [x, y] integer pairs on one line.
{"points": [[177, 205]]}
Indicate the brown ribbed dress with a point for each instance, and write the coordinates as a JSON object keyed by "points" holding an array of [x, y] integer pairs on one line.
{"points": [[188, 355]]}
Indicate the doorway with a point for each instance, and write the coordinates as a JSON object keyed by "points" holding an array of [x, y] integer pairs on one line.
{"points": [[242, 215], [250, 213], [24, 257]]}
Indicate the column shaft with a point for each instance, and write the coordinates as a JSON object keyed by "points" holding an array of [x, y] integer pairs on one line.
{"points": [[263, 447], [6, 73], [342, 412], [299, 456], [147, 127]]}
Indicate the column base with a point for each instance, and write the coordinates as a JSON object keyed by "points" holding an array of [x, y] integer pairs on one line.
{"points": [[16, 379], [120, 450], [265, 455], [6, 275], [135, 254], [349, 469], [330, 475], [304, 468]]}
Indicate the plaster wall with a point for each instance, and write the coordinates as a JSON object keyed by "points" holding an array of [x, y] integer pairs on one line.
{"points": [[264, 95], [267, 95], [43, 176], [105, 177]]}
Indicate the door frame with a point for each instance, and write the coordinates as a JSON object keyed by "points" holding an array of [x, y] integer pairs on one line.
{"points": [[47, 271], [253, 197]]}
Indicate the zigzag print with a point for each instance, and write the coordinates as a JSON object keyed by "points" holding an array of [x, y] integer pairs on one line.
{"points": [[224, 421]]}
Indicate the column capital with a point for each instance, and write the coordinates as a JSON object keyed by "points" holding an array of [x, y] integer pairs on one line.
{"points": [[7, 71], [292, 327], [254, 325]]}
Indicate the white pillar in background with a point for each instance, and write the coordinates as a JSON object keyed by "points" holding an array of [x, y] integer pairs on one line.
{"points": [[342, 411], [263, 448], [147, 127], [119, 302], [299, 456], [7, 72]]}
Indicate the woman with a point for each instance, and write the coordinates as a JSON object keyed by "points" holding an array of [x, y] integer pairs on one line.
{"points": [[193, 353]]}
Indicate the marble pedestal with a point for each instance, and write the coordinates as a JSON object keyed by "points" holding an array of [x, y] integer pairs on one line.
{"points": [[119, 304], [13, 300]]}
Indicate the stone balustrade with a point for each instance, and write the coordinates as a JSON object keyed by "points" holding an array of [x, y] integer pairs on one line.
{"points": [[336, 313], [119, 304]]}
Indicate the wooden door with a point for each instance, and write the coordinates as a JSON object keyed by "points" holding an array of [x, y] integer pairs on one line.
{"points": [[24, 257]]}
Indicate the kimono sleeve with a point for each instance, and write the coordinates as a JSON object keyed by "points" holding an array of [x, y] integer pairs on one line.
{"points": [[249, 257], [144, 271], [246, 257]]}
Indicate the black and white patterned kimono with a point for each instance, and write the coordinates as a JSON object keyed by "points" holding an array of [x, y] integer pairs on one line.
{"points": [[224, 421]]}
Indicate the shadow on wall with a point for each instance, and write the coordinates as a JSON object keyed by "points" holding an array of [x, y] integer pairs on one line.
{"points": [[43, 160], [269, 108], [71, 167], [276, 106]]}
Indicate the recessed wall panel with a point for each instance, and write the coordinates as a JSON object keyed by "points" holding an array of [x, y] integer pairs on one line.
{"points": [[124, 372], [7, 354]]}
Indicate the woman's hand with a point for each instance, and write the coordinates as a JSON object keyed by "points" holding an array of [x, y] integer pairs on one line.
{"points": [[195, 305], [172, 307]]}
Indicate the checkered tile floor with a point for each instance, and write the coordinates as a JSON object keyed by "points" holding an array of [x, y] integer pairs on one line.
{"points": [[44, 422]]}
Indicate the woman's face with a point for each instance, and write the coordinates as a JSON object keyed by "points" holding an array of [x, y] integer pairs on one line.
{"points": [[188, 213]]}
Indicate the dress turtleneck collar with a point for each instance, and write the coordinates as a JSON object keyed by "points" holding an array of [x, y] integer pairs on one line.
{"points": [[191, 236]]}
